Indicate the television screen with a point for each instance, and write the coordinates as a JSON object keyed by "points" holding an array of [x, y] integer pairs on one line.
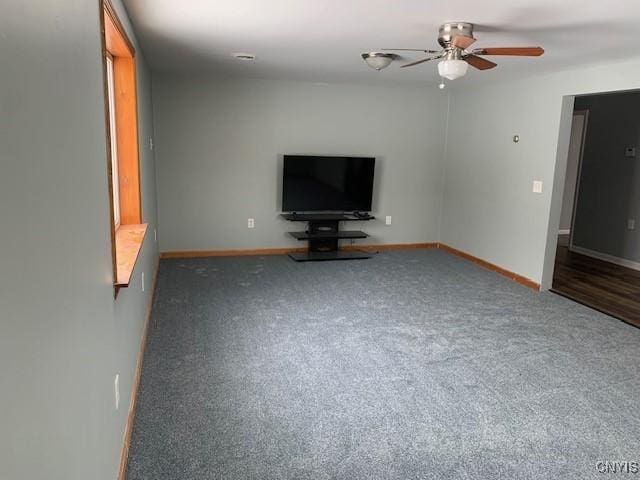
{"points": [[327, 184]]}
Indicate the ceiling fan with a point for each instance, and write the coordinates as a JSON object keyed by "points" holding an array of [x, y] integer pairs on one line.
{"points": [[455, 39]]}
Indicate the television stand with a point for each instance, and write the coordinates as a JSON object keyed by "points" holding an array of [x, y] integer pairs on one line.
{"points": [[323, 234]]}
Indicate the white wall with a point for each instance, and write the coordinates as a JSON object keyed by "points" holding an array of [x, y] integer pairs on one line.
{"points": [[489, 209], [62, 335], [220, 142]]}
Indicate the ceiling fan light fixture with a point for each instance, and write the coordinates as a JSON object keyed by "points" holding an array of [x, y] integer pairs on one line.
{"points": [[452, 69], [378, 60]]}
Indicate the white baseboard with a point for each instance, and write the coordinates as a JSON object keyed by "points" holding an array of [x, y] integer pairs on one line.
{"points": [[564, 232], [606, 257]]}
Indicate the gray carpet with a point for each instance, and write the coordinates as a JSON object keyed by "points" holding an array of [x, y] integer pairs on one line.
{"points": [[410, 365]]}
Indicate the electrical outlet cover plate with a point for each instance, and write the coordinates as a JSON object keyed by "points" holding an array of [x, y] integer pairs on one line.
{"points": [[251, 223]]}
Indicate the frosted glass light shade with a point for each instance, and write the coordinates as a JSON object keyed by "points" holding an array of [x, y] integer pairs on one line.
{"points": [[452, 69], [377, 60]]}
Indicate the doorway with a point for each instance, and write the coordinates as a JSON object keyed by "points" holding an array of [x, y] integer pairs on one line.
{"points": [[597, 259]]}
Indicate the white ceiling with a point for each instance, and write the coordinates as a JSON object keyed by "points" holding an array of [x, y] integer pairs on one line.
{"points": [[322, 40]]}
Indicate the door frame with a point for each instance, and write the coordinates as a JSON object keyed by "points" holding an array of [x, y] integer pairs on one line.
{"points": [[576, 195]]}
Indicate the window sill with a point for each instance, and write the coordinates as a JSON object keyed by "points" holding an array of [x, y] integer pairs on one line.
{"points": [[129, 240]]}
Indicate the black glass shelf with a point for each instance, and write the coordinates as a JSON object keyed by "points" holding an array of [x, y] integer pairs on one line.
{"points": [[326, 256], [340, 235], [323, 234]]}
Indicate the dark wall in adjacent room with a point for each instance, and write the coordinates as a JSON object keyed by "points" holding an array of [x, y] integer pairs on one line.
{"points": [[609, 186]]}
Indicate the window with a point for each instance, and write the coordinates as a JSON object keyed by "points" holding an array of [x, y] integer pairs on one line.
{"points": [[115, 182], [127, 229]]}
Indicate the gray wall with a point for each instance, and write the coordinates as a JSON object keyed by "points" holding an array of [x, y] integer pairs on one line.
{"points": [[219, 147], [489, 208], [609, 192], [62, 336], [571, 176]]}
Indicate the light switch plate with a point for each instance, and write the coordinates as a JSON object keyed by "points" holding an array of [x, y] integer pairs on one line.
{"points": [[537, 186], [387, 220]]}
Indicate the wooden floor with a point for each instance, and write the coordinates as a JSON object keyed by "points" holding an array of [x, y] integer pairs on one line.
{"points": [[607, 287]]}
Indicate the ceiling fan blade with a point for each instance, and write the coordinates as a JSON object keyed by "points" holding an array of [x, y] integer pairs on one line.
{"points": [[462, 42], [479, 62], [408, 50], [417, 62], [516, 51], [440, 55]]}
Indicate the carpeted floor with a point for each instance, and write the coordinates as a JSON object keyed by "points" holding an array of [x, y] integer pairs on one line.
{"points": [[410, 365]]}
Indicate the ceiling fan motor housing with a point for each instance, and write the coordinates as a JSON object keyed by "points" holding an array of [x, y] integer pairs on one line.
{"points": [[453, 29]]}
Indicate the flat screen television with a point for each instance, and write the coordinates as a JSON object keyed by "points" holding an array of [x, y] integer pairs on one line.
{"points": [[327, 184]]}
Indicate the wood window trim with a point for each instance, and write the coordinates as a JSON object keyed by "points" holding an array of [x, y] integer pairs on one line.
{"points": [[127, 238]]}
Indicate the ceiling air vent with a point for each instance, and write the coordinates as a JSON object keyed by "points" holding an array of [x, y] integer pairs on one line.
{"points": [[245, 57]]}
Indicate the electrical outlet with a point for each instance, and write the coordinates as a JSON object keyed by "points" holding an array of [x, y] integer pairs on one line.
{"points": [[537, 186], [387, 220], [150, 143], [631, 224], [116, 389], [251, 223], [142, 281]]}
